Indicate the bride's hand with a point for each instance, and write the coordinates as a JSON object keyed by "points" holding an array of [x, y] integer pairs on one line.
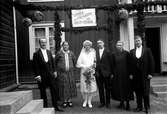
{"points": [[86, 68], [94, 65]]}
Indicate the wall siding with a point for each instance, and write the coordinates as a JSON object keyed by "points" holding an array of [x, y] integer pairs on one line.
{"points": [[7, 45]]}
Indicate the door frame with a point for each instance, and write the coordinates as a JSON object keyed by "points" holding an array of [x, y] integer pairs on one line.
{"points": [[160, 36]]}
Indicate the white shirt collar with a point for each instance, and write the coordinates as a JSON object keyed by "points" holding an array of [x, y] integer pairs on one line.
{"points": [[43, 49], [66, 51], [138, 52], [140, 47], [101, 52], [44, 53], [101, 49]]}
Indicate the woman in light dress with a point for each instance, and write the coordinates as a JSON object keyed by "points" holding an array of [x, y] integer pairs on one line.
{"points": [[86, 62]]}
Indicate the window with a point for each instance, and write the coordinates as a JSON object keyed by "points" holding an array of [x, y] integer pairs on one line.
{"points": [[45, 30], [44, 0]]}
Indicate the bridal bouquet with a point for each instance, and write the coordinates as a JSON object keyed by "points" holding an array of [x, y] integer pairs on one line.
{"points": [[88, 75]]}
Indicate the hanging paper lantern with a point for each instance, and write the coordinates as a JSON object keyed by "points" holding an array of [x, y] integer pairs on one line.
{"points": [[38, 16], [123, 14], [27, 21]]}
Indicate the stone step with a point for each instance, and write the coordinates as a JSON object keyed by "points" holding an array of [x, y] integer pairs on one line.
{"points": [[47, 111], [33, 106], [11, 102], [162, 94], [159, 80], [159, 87]]}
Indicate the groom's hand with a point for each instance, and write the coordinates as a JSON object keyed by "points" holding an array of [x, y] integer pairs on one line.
{"points": [[38, 78], [131, 77], [112, 76], [149, 76], [55, 74]]}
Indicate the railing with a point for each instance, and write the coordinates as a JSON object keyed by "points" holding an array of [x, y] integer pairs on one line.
{"points": [[149, 9], [155, 8]]}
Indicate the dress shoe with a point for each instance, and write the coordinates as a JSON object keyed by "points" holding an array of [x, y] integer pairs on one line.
{"points": [[147, 111], [138, 110], [121, 106], [127, 107], [64, 104], [90, 105], [84, 104], [70, 104], [108, 106], [59, 110], [101, 105]]}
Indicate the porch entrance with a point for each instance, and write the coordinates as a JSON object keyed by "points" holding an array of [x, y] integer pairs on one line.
{"points": [[153, 42]]}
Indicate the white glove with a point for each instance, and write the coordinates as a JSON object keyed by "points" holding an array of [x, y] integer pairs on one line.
{"points": [[55, 74], [38, 78], [131, 77], [149, 76]]}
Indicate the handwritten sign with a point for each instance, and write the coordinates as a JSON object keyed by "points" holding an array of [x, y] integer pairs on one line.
{"points": [[83, 17]]}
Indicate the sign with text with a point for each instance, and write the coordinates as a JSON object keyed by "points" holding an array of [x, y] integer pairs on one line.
{"points": [[83, 17]]}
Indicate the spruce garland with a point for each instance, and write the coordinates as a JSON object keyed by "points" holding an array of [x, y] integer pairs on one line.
{"points": [[57, 32], [83, 29], [139, 6], [129, 7], [140, 20]]}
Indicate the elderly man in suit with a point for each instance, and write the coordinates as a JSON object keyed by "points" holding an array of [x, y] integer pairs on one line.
{"points": [[103, 74], [45, 73], [142, 69]]}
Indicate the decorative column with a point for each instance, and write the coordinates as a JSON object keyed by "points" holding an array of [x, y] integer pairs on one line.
{"points": [[127, 31], [130, 25]]}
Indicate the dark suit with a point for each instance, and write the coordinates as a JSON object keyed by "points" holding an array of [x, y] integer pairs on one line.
{"points": [[46, 71], [103, 76], [141, 68]]}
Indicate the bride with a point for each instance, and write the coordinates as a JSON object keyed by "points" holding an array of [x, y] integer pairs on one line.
{"points": [[86, 62]]}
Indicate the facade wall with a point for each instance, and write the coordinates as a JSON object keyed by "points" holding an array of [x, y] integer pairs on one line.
{"points": [[7, 45], [75, 39]]}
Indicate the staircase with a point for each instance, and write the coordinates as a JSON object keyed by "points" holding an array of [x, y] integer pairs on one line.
{"points": [[159, 85], [21, 102]]}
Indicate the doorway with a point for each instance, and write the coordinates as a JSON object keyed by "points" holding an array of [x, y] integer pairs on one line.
{"points": [[153, 42]]}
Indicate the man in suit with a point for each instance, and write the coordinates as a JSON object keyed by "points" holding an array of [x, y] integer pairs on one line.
{"points": [[103, 74], [45, 73], [142, 68]]}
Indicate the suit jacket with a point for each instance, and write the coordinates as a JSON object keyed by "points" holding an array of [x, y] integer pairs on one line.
{"points": [[141, 68], [45, 70], [103, 65]]}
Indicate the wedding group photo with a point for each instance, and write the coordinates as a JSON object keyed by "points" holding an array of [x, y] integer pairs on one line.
{"points": [[83, 57]]}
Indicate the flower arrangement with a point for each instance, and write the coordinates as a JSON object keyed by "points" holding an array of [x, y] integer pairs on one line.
{"points": [[89, 73], [27, 21], [123, 14]]}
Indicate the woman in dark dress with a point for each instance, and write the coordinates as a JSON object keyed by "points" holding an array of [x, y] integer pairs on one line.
{"points": [[121, 83], [65, 63]]}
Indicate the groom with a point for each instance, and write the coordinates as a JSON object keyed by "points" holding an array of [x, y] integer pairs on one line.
{"points": [[103, 74]]}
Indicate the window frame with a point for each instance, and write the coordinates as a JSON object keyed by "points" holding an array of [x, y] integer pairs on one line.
{"points": [[32, 35]]}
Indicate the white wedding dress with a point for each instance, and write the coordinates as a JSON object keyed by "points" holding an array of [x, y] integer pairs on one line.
{"points": [[86, 60]]}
